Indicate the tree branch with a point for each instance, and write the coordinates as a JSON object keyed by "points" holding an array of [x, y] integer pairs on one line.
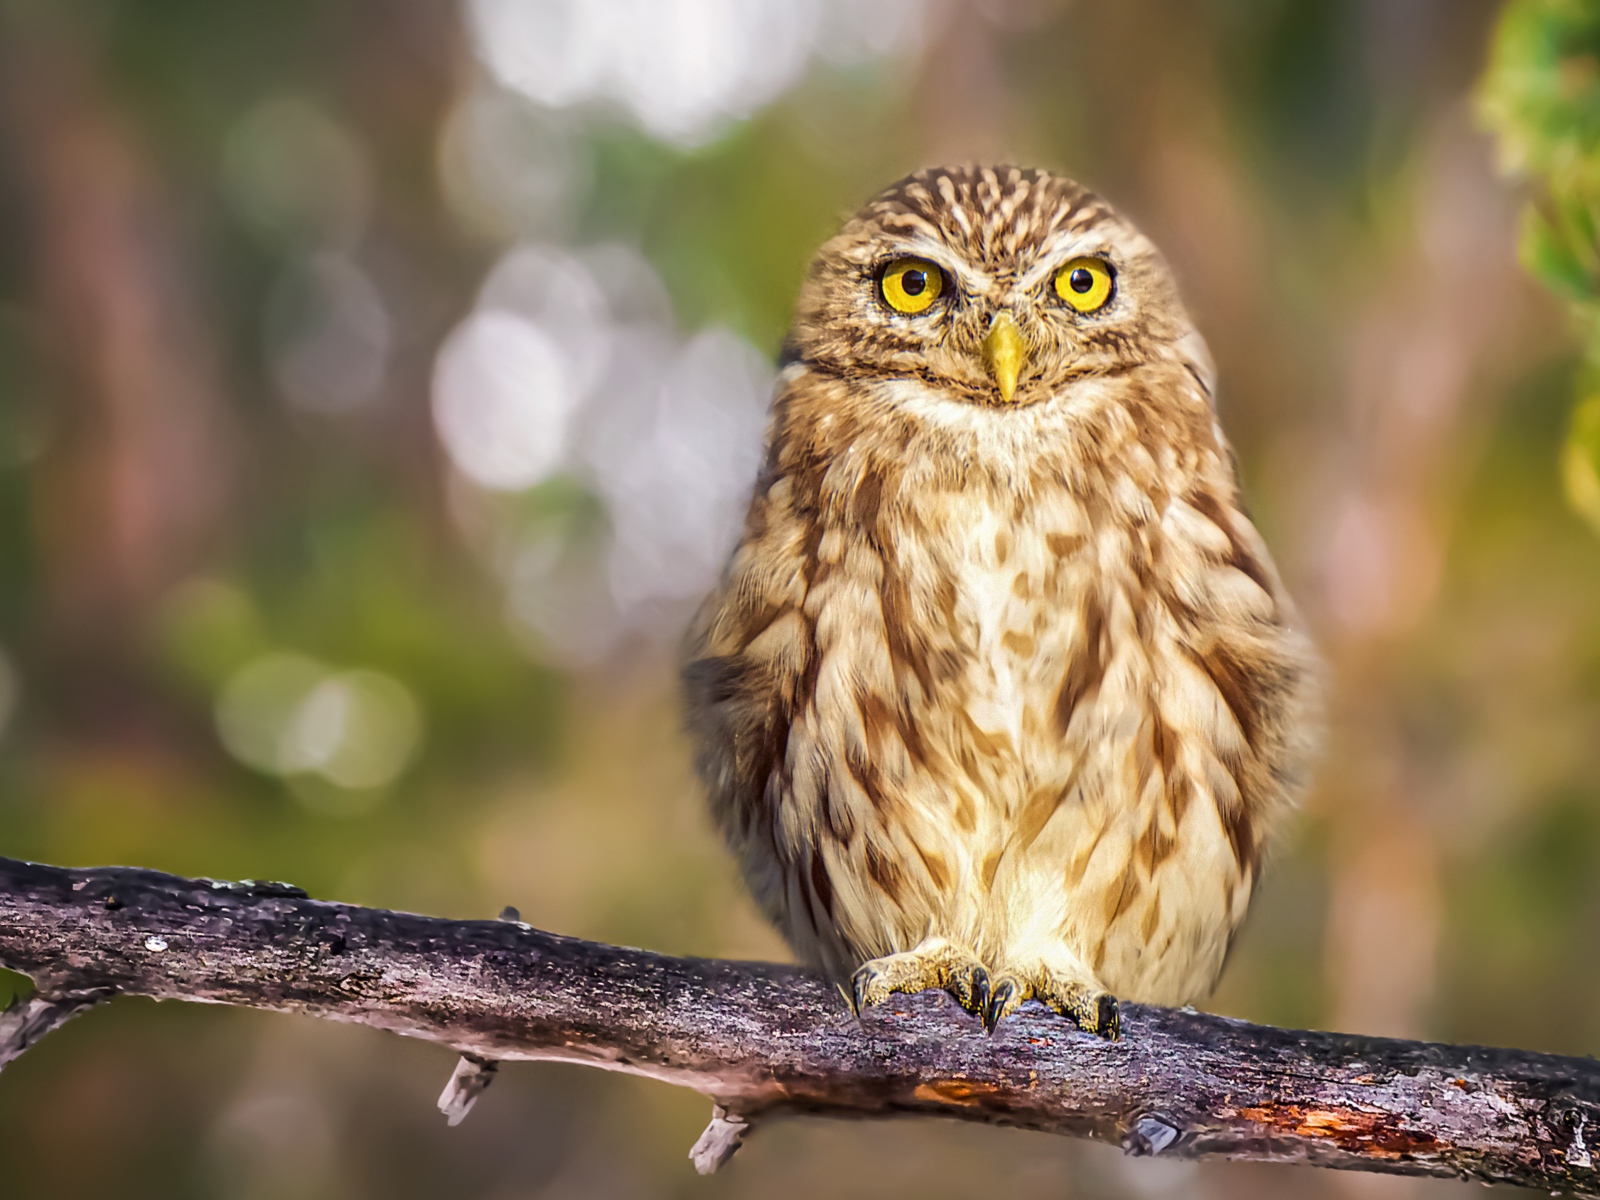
{"points": [[761, 1039]]}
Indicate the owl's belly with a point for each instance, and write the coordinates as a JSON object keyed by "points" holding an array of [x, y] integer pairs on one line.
{"points": [[1072, 811]]}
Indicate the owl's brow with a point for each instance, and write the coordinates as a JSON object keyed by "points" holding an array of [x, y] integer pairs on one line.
{"points": [[1061, 249], [969, 276]]}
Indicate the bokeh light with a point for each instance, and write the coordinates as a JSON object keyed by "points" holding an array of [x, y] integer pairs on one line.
{"points": [[328, 336], [295, 173], [682, 68], [571, 364], [504, 395], [287, 714]]}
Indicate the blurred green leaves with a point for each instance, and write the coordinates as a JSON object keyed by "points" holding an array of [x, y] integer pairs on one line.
{"points": [[1541, 96], [13, 987], [1580, 460]]}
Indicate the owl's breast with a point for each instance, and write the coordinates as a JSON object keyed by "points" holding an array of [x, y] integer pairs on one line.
{"points": [[1123, 711], [1015, 586]]}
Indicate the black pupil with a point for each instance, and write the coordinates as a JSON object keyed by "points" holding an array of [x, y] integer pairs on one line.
{"points": [[1081, 280], [914, 283]]}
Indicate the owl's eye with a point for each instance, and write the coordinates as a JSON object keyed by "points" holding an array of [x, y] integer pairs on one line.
{"points": [[1085, 283], [911, 285]]}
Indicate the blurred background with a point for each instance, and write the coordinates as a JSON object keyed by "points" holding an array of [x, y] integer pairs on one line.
{"points": [[380, 384]]}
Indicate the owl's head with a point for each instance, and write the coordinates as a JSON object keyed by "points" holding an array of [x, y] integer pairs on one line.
{"points": [[997, 285]]}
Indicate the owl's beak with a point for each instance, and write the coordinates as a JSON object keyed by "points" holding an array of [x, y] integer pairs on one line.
{"points": [[1005, 354]]}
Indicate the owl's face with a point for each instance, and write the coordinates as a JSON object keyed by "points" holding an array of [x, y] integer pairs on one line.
{"points": [[996, 286]]}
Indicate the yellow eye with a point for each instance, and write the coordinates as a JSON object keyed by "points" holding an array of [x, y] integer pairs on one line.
{"points": [[1085, 283], [910, 285]]}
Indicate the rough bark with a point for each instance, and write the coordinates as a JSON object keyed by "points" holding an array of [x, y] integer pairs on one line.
{"points": [[761, 1039]]}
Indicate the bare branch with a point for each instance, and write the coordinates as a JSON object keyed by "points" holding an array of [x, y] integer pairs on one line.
{"points": [[24, 1022], [758, 1038]]}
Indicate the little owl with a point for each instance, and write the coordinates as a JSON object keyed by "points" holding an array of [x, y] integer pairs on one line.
{"points": [[1000, 692]]}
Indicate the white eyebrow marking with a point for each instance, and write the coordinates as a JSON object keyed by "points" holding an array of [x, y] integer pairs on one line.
{"points": [[970, 277], [1041, 270], [1056, 253]]}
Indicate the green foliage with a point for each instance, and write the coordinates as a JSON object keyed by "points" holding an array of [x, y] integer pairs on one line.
{"points": [[13, 987], [1541, 96]]}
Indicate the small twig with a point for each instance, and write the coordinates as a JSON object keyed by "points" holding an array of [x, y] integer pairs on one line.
{"points": [[24, 1022], [721, 1138], [472, 1077], [1149, 1136], [473, 1074], [762, 1040]]}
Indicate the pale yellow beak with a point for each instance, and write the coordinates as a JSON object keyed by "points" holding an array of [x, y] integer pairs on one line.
{"points": [[1005, 354]]}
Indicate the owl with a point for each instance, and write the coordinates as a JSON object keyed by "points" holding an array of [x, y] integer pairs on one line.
{"points": [[1000, 692]]}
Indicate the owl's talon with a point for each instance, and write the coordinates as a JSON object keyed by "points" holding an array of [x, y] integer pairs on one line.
{"points": [[1108, 1017], [968, 982], [1086, 1006], [934, 965], [1003, 1001], [1093, 1011], [859, 983], [1090, 1009], [977, 999]]}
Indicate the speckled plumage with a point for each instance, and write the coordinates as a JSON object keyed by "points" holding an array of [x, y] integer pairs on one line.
{"points": [[1009, 690]]}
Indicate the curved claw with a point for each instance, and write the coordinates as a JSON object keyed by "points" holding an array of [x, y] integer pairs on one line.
{"points": [[1108, 1017], [1091, 1010], [859, 983], [977, 1002], [1003, 1001], [935, 964]]}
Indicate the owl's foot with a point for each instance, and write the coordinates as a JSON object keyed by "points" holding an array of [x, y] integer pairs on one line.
{"points": [[1090, 1007], [935, 964]]}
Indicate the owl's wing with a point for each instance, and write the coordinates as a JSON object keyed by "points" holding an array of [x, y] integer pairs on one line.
{"points": [[1196, 358], [745, 677]]}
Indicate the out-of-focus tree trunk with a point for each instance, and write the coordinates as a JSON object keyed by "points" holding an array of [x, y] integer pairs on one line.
{"points": [[130, 489]]}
